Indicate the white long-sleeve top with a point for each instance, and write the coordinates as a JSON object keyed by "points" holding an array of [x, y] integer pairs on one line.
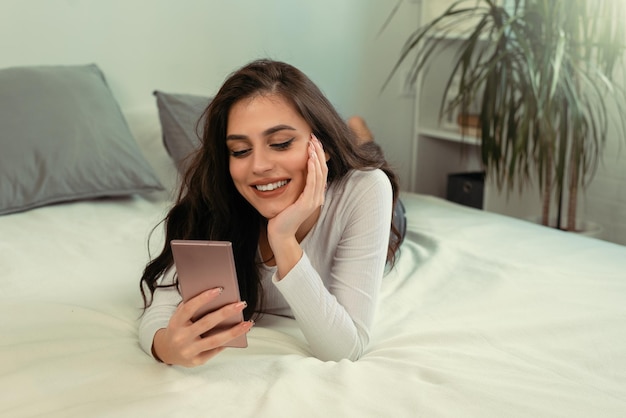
{"points": [[333, 289]]}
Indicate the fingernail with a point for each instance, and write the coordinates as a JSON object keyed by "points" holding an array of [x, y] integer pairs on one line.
{"points": [[242, 304], [216, 291], [248, 324]]}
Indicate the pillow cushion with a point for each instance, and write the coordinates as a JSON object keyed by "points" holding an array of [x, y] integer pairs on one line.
{"points": [[63, 137], [181, 124]]}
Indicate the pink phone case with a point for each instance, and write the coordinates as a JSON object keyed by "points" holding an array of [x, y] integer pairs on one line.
{"points": [[204, 265]]}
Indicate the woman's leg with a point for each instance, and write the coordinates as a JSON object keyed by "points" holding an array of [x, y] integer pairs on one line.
{"points": [[359, 127], [363, 135]]}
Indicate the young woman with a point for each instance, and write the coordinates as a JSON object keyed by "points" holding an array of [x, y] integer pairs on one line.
{"points": [[308, 211]]}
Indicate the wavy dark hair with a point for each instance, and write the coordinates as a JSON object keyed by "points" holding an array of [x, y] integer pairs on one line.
{"points": [[209, 207]]}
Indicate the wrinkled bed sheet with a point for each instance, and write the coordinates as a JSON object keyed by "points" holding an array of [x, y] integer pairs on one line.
{"points": [[483, 316]]}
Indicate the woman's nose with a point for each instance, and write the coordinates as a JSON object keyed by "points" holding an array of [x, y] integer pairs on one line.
{"points": [[261, 161]]}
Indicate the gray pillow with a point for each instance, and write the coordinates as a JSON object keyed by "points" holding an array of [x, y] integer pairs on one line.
{"points": [[63, 137], [181, 124]]}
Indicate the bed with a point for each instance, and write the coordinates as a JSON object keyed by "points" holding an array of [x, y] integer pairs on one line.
{"points": [[482, 316]]}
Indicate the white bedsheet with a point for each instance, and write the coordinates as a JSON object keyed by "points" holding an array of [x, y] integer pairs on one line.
{"points": [[483, 316]]}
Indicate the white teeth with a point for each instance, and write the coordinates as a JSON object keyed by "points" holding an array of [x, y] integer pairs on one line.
{"points": [[271, 186]]}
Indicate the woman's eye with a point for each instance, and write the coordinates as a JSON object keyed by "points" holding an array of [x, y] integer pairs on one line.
{"points": [[283, 145], [239, 153]]}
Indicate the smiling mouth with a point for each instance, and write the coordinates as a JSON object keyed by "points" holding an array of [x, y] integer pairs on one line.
{"points": [[271, 186]]}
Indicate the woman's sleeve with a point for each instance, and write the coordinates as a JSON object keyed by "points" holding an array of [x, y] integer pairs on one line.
{"points": [[336, 320], [158, 314]]}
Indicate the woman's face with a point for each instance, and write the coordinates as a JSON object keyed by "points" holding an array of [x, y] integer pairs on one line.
{"points": [[268, 146]]}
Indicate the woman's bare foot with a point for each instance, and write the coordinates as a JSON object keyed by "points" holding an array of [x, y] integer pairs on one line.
{"points": [[361, 131]]}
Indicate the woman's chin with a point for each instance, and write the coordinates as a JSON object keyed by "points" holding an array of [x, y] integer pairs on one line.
{"points": [[269, 213], [270, 208]]}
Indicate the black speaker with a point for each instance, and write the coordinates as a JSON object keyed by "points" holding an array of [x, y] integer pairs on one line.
{"points": [[466, 188]]}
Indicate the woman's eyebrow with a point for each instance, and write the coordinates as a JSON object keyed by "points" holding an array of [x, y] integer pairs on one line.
{"points": [[235, 137], [267, 132], [278, 128]]}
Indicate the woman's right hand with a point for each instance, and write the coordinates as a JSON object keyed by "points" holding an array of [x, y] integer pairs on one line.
{"points": [[181, 343]]}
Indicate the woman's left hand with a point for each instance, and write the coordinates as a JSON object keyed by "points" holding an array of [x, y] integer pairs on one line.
{"points": [[282, 229]]}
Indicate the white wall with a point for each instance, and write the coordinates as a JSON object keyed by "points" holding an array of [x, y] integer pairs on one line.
{"points": [[190, 46], [604, 201]]}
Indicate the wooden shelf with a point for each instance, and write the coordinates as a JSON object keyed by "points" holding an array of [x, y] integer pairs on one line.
{"points": [[449, 135]]}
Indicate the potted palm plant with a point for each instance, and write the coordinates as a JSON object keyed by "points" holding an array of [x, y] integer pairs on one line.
{"points": [[543, 75]]}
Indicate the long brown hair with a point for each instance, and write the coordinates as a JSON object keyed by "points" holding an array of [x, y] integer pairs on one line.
{"points": [[208, 205]]}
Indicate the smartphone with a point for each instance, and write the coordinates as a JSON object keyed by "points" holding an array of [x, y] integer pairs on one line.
{"points": [[203, 265]]}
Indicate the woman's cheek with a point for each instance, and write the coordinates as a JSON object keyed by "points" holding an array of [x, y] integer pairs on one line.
{"points": [[237, 173]]}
